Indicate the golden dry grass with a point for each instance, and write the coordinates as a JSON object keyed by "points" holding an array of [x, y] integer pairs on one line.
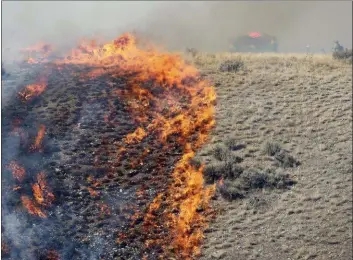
{"points": [[304, 103]]}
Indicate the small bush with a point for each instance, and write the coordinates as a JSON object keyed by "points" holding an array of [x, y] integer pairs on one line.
{"points": [[253, 180], [233, 145], [229, 191], [231, 65], [256, 202], [221, 153], [343, 55], [214, 172], [285, 160], [191, 51], [226, 170], [272, 148], [195, 162]]}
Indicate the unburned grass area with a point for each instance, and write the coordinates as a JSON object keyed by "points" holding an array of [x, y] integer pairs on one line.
{"points": [[280, 155]]}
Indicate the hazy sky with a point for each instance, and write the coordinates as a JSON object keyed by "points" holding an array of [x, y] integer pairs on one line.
{"points": [[204, 25]]}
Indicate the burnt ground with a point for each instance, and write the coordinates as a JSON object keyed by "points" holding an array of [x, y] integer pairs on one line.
{"points": [[85, 125]]}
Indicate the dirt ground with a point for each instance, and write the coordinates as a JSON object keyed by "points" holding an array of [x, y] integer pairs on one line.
{"points": [[303, 103]]}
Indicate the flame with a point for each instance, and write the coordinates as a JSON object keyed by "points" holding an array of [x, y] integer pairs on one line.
{"points": [[18, 172], [39, 47], [31, 207], [33, 90], [37, 146], [221, 182], [52, 255], [93, 192], [43, 197], [136, 136], [177, 107], [41, 51], [16, 188], [41, 192]]}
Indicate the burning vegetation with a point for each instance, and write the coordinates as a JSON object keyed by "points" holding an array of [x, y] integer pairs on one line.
{"points": [[170, 113]]}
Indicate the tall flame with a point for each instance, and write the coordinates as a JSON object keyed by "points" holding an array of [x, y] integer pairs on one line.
{"points": [[43, 197], [37, 145]]}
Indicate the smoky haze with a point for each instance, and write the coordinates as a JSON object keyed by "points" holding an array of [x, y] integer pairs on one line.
{"points": [[207, 26]]}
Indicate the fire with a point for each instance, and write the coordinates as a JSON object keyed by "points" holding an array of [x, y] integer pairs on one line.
{"points": [[16, 188], [31, 207], [39, 47], [183, 106], [33, 90], [37, 146], [52, 255], [93, 192], [169, 101], [43, 197], [41, 192], [40, 51], [136, 136], [18, 172]]}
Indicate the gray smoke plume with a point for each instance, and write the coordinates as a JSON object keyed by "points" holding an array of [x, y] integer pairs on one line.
{"points": [[204, 25]]}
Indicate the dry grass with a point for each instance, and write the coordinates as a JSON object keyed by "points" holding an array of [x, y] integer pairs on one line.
{"points": [[303, 103]]}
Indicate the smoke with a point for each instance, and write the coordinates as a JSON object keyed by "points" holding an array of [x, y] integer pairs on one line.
{"points": [[210, 25], [207, 26]]}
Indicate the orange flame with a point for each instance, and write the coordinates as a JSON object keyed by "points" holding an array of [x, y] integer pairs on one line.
{"points": [[18, 172], [43, 197], [31, 207], [136, 136], [93, 192], [33, 90], [16, 188], [37, 146], [40, 50], [183, 109], [41, 192]]}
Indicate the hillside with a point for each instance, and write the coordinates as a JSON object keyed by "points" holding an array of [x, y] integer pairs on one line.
{"points": [[301, 104]]}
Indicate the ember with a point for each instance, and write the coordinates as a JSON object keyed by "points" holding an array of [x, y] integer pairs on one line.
{"points": [[4, 248], [52, 255], [18, 172]]}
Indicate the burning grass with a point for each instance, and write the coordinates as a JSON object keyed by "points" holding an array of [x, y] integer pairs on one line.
{"points": [[171, 110], [37, 145], [42, 197], [18, 172]]}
